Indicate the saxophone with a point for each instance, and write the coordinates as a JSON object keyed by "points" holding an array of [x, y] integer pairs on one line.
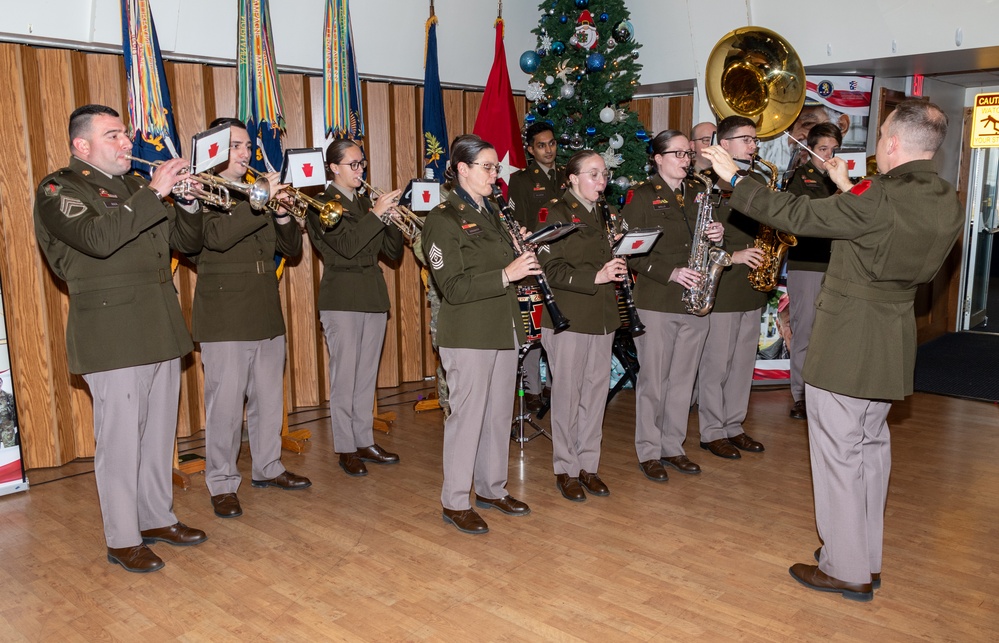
{"points": [[706, 259], [773, 242]]}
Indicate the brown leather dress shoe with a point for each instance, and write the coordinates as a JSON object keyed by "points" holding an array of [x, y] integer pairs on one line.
{"points": [[593, 484], [875, 578], [378, 455], [139, 559], [533, 403], [226, 505], [570, 487], [681, 463], [814, 578], [722, 448], [286, 480], [654, 470], [746, 443], [178, 534], [352, 464], [507, 504], [466, 521], [798, 411]]}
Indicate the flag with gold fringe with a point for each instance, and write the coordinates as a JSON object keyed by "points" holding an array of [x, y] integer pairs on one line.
{"points": [[259, 85], [150, 112], [342, 86], [435, 145]]}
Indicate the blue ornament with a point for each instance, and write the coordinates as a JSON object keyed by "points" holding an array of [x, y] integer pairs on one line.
{"points": [[641, 135], [529, 62], [541, 53], [542, 108], [594, 62], [552, 104], [563, 19], [620, 200], [582, 4], [604, 17], [558, 48], [590, 131], [529, 119]]}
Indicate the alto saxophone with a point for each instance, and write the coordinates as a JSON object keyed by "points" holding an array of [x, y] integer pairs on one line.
{"points": [[706, 258], [773, 242]]}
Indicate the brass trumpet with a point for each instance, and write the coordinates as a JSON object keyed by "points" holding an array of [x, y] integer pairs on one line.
{"points": [[408, 222], [330, 212], [215, 190]]}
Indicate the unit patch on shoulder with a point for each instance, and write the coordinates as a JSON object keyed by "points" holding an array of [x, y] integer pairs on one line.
{"points": [[628, 197], [51, 189], [71, 207], [861, 187], [436, 257]]}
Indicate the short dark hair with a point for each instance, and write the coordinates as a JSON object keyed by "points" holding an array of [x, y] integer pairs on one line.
{"points": [[575, 163], [535, 129], [921, 125], [80, 119], [465, 149], [729, 124], [824, 130], [661, 142], [227, 120], [338, 149]]}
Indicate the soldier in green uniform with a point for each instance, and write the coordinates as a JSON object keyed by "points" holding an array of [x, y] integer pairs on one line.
{"points": [[890, 233], [581, 271], [237, 321], [807, 261], [530, 191], [8, 418], [108, 235], [671, 345], [478, 332], [725, 371], [354, 303]]}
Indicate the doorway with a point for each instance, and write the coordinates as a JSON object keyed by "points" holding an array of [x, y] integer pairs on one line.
{"points": [[980, 274]]}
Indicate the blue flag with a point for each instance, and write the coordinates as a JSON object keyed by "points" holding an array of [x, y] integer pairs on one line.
{"points": [[435, 146]]}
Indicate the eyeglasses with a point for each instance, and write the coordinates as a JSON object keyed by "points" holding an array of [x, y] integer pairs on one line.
{"points": [[356, 165], [704, 140], [678, 153], [490, 167], [593, 174], [745, 138]]}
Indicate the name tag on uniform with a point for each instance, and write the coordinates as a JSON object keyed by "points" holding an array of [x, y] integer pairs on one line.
{"points": [[471, 229]]}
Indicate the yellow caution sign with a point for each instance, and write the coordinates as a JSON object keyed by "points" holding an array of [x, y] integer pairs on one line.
{"points": [[985, 121]]}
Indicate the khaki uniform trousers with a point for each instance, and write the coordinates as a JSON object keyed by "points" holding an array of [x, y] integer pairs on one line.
{"points": [[725, 375], [803, 288]]}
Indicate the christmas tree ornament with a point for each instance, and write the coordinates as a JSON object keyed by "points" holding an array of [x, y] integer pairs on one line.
{"points": [[604, 17], [545, 43], [622, 182], [567, 91], [634, 55], [552, 104], [558, 47], [582, 4], [576, 141], [563, 19], [529, 119], [534, 92], [564, 140], [585, 36], [549, 80], [542, 108], [590, 131], [623, 31], [611, 43], [529, 62], [595, 62], [616, 141], [541, 53], [607, 115]]}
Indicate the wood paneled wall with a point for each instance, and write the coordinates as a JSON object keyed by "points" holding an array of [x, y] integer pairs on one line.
{"points": [[45, 85]]}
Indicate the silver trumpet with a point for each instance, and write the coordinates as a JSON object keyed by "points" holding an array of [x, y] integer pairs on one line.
{"points": [[407, 221], [214, 189], [298, 203]]}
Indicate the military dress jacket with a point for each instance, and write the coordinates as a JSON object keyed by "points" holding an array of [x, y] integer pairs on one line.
{"points": [[890, 233], [352, 279], [467, 251], [735, 293], [652, 204], [810, 254], [531, 190], [109, 239], [237, 298], [572, 263]]}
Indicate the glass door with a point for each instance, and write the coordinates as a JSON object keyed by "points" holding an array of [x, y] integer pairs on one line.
{"points": [[982, 225]]}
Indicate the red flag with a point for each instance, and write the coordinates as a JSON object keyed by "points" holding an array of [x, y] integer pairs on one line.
{"points": [[497, 119]]}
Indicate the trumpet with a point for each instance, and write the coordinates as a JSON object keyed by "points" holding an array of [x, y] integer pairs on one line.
{"points": [[330, 212], [408, 222], [215, 190]]}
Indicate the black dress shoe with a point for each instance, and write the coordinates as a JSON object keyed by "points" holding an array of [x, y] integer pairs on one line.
{"points": [[681, 463], [378, 455], [814, 578], [875, 578], [592, 483], [533, 403], [654, 470], [177, 534], [798, 411], [570, 487], [746, 443], [139, 559], [722, 448], [286, 480], [226, 505], [352, 464], [507, 504], [466, 520]]}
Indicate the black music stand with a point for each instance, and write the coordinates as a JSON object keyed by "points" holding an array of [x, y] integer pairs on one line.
{"points": [[517, 432], [626, 353]]}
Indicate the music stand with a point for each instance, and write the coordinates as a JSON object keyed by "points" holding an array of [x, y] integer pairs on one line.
{"points": [[517, 432], [625, 352]]}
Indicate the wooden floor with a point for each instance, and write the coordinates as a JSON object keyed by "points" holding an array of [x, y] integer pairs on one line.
{"points": [[698, 558]]}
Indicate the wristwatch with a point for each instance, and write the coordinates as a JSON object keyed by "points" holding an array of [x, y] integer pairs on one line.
{"points": [[156, 192]]}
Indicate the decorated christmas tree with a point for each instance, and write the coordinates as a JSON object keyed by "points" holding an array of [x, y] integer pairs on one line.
{"points": [[583, 74]]}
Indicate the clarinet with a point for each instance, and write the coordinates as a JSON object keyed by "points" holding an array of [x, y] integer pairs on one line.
{"points": [[635, 324], [559, 322]]}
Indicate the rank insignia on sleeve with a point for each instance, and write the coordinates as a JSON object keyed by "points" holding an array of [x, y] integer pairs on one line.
{"points": [[627, 197], [861, 187], [542, 215], [71, 207], [436, 257]]}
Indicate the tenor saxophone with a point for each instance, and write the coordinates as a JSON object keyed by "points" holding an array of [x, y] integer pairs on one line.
{"points": [[773, 242], [706, 258]]}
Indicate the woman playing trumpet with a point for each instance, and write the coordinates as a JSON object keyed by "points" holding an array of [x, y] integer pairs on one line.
{"points": [[354, 303]]}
